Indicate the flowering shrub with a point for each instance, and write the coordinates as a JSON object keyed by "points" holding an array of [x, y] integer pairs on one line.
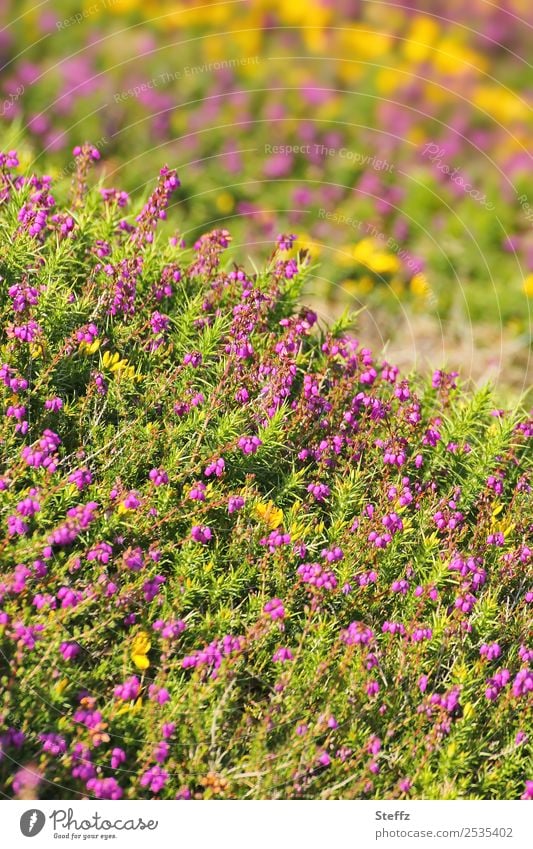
{"points": [[242, 557]]}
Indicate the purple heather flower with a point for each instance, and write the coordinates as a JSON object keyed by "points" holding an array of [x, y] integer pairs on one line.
{"points": [[193, 359], [496, 539], [282, 655], [490, 651], [128, 690], [132, 500], [154, 778], [197, 492], [69, 650], [53, 404], [82, 766], [152, 587], [285, 242], [159, 322], [379, 540], [235, 503], [274, 608], [81, 478], [275, 540], [105, 788], [16, 527], [528, 791], [161, 752], [158, 477], [497, 683], [118, 757], [320, 491], [315, 575], [324, 759], [169, 630], [201, 533], [357, 633], [393, 628], [249, 444], [372, 688], [523, 683], [28, 635], [168, 729], [26, 782], [215, 468], [332, 555], [158, 694], [53, 744]]}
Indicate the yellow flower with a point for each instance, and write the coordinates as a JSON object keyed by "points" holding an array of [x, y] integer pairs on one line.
{"points": [[528, 285], [388, 80], [422, 35], [109, 359], [119, 367], [367, 253], [305, 243], [364, 43], [89, 347], [269, 514], [225, 202], [501, 104], [419, 286], [139, 650], [36, 350], [452, 57], [60, 686], [128, 707]]}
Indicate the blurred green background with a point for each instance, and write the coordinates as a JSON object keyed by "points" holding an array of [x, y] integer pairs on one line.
{"points": [[393, 139]]}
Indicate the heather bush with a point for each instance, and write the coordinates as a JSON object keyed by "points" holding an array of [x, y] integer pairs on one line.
{"points": [[241, 556]]}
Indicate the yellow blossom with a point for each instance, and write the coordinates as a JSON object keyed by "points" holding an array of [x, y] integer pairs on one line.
{"points": [[422, 35], [225, 202], [89, 347], [139, 650], [528, 285], [269, 514], [419, 286]]}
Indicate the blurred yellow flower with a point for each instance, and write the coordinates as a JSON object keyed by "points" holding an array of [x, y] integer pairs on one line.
{"points": [[129, 707], [225, 202], [454, 58], [421, 36], [368, 253], [363, 42], [307, 244], [528, 285], [501, 104], [420, 286]]}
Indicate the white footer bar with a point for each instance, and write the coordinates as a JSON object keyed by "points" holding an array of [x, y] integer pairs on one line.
{"points": [[267, 824]]}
